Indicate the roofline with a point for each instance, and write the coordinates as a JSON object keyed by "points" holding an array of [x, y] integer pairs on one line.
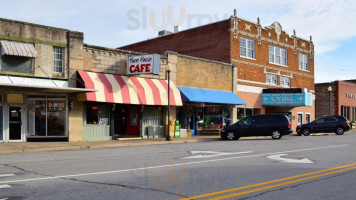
{"points": [[33, 24], [189, 29]]}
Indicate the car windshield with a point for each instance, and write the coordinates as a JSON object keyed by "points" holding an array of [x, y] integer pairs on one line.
{"points": [[245, 121]]}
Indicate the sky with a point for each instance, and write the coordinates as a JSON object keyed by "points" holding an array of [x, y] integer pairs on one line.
{"points": [[115, 23]]}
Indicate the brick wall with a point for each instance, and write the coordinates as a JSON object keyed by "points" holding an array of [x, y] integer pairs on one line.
{"points": [[201, 73], [322, 99], [252, 72], [343, 88], [211, 42]]}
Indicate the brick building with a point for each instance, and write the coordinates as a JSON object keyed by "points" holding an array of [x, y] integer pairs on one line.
{"points": [[266, 58], [55, 87], [340, 100]]}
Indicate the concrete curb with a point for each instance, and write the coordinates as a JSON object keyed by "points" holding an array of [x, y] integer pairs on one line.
{"points": [[8, 148]]}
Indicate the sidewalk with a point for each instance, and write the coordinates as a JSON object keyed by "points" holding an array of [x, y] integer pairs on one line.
{"points": [[19, 147]]}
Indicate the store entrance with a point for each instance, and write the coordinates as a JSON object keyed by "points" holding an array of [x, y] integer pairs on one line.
{"points": [[15, 123], [120, 121], [133, 120]]}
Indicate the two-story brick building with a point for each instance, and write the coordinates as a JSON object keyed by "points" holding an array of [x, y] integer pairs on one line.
{"points": [[266, 58]]}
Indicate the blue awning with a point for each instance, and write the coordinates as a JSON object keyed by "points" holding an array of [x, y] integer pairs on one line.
{"points": [[209, 96]]}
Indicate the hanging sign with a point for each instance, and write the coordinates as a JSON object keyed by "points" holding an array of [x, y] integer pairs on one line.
{"points": [[144, 64]]}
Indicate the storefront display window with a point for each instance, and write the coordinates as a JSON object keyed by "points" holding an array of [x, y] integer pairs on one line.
{"points": [[47, 116], [97, 113], [244, 112], [153, 117]]}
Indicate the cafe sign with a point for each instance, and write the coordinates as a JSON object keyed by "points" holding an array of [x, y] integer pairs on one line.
{"points": [[143, 64]]}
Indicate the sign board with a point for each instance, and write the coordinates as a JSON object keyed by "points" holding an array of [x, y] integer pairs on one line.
{"points": [[144, 64], [103, 121], [289, 99]]}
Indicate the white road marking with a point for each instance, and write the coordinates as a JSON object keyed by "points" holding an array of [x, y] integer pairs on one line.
{"points": [[4, 199], [289, 160], [209, 154], [6, 175], [5, 186], [163, 166]]}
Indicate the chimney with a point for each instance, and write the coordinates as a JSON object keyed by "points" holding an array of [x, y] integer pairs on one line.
{"points": [[176, 29], [163, 33]]}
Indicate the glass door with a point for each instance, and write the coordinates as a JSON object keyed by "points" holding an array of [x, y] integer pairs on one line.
{"points": [[15, 123], [1, 124]]}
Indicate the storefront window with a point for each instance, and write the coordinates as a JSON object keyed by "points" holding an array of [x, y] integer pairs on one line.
{"points": [[97, 113], [47, 116], [345, 111], [244, 112]]}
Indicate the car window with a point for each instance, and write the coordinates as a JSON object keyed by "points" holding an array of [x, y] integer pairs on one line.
{"points": [[260, 120], [245, 121], [330, 119], [319, 121]]}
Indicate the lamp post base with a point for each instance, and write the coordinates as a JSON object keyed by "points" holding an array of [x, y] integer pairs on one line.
{"points": [[168, 138]]}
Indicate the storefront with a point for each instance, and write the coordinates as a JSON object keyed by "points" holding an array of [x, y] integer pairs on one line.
{"points": [[206, 111], [293, 102], [125, 106], [34, 109]]}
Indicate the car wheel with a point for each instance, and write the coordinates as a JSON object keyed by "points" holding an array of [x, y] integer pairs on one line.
{"points": [[276, 134], [339, 131], [306, 132], [231, 136]]}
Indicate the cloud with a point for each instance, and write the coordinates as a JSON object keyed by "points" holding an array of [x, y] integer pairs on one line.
{"points": [[328, 21]]}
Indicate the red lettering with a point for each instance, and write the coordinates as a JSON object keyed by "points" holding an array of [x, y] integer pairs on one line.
{"points": [[142, 67], [137, 68], [132, 68], [148, 69]]}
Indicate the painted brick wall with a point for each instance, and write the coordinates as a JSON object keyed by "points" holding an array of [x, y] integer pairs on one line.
{"points": [[199, 73], [211, 42]]}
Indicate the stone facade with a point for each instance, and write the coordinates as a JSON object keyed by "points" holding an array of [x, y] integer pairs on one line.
{"points": [[44, 38]]}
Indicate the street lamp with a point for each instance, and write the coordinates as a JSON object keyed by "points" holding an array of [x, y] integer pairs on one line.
{"points": [[168, 68], [330, 89]]}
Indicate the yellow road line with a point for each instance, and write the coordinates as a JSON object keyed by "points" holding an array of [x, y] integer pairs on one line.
{"points": [[265, 183], [281, 184]]}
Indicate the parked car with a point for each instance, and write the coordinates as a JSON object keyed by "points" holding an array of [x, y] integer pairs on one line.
{"points": [[327, 124], [274, 125]]}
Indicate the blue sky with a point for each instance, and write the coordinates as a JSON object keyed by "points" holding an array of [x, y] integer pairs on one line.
{"points": [[114, 23]]}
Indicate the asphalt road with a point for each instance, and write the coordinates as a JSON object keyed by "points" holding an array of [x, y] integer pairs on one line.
{"points": [[295, 167]]}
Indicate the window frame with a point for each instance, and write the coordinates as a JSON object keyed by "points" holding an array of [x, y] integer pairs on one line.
{"points": [[282, 79], [245, 48], [303, 62], [58, 57], [269, 78], [281, 59]]}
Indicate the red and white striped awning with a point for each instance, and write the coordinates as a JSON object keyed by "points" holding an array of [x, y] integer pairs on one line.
{"points": [[18, 49], [129, 90]]}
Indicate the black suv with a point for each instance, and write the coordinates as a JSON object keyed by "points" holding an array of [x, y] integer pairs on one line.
{"points": [[327, 124], [275, 125]]}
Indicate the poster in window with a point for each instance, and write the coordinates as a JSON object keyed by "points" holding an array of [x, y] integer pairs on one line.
{"points": [[103, 121]]}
